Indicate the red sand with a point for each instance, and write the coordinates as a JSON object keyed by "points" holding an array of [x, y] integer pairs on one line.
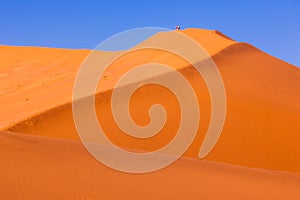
{"points": [[261, 128]]}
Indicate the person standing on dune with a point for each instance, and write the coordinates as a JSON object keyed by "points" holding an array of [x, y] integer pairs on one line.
{"points": [[177, 27]]}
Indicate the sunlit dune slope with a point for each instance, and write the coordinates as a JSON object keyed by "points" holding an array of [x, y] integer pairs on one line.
{"points": [[34, 79]]}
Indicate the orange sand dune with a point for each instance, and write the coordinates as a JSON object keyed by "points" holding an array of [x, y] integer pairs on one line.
{"points": [[261, 128], [43, 168]]}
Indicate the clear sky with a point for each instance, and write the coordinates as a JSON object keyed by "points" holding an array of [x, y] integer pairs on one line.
{"points": [[272, 26]]}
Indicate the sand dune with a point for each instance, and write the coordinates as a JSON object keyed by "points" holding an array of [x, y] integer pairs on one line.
{"points": [[261, 128], [262, 113], [39, 167]]}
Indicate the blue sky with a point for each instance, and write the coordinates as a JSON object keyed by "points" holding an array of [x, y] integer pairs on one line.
{"points": [[272, 26]]}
